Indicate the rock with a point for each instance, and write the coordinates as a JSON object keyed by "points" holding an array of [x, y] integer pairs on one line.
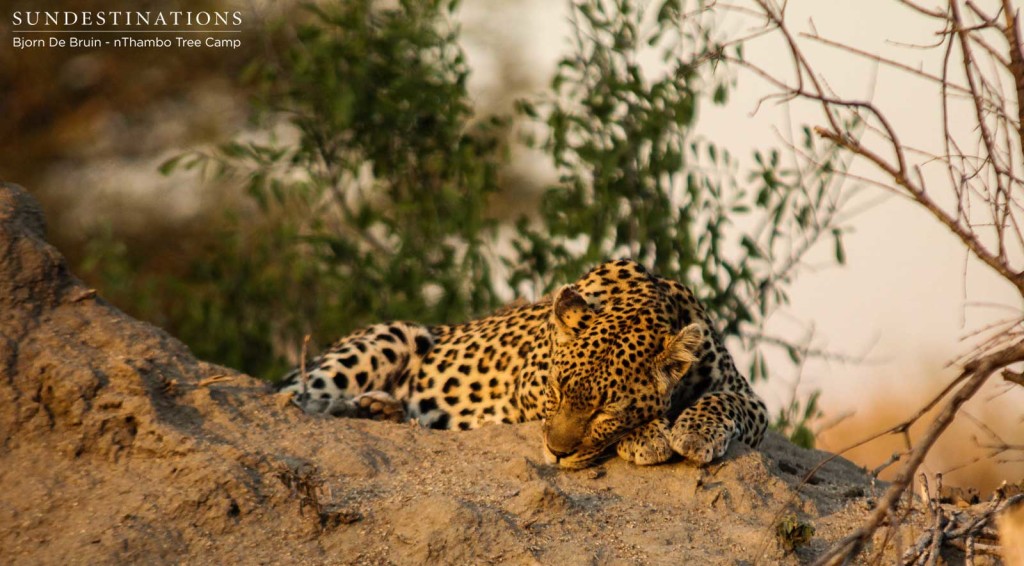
{"points": [[117, 445]]}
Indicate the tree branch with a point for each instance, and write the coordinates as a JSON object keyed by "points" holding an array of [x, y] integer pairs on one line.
{"points": [[1014, 377], [975, 374], [966, 235], [1013, 40]]}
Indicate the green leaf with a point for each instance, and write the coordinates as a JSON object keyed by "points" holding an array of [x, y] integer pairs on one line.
{"points": [[837, 236], [168, 167], [721, 94]]}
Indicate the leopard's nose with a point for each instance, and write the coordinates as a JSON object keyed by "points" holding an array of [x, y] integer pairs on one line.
{"points": [[560, 454], [563, 436]]}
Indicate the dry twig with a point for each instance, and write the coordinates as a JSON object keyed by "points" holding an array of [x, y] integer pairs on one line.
{"points": [[303, 376], [208, 381]]}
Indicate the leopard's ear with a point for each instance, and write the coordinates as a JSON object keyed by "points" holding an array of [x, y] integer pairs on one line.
{"points": [[569, 314], [679, 352]]}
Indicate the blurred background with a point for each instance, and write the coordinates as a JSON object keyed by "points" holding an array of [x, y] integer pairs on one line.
{"points": [[345, 166]]}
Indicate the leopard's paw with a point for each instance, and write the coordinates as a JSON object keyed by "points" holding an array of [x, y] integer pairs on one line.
{"points": [[701, 444], [379, 406], [646, 445]]}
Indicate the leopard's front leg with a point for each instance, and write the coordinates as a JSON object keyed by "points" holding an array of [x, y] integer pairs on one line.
{"points": [[646, 445], [703, 431]]}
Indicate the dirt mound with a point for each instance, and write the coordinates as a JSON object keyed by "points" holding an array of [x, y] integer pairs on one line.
{"points": [[118, 445]]}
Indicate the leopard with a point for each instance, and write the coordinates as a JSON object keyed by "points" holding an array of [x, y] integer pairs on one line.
{"points": [[620, 361]]}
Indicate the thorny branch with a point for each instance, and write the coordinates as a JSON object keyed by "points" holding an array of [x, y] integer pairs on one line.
{"points": [[908, 179], [1011, 31], [980, 51], [975, 375]]}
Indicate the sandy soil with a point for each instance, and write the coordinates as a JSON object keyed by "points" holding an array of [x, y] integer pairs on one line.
{"points": [[117, 445]]}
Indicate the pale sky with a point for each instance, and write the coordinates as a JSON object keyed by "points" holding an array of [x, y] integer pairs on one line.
{"points": [[903, 296]]}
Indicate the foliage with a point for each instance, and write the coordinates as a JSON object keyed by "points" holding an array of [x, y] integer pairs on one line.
{"points": [[794, 420], [246, 262], [793, 533], [378, 210]]}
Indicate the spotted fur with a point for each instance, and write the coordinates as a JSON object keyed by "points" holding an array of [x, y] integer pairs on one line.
{"points": [[619, 358]]}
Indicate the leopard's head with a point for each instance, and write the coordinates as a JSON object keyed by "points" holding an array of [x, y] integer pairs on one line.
{"points": [[615, 360]]}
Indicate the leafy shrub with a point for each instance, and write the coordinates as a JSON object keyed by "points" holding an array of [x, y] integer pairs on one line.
{"points": [[377, 211]]}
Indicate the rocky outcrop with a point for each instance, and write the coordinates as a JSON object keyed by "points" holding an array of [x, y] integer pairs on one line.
{"points": [[117, 444]]}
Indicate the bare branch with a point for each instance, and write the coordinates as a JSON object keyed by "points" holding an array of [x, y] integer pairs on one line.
{"points": [[974, 375], [970, 68], [1013, 39], [966, 235], [921, 9], [1014, 377], [886, 61], [982, 169]]}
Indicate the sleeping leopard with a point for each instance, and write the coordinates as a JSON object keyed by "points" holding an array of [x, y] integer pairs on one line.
{"points": [[621, 357]]}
